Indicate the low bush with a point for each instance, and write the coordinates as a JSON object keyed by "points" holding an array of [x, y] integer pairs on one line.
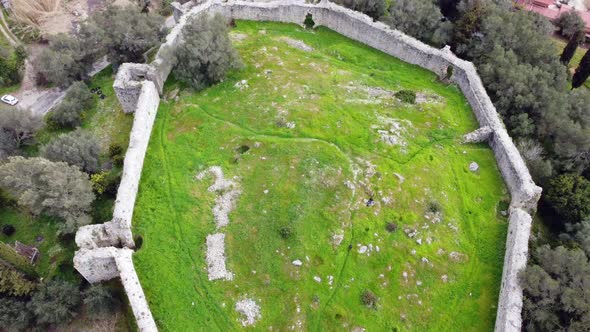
{"points": [[99, 182], [115, 150], [406, 96], [8, 230], [286, 232], [369, 299], [391, 227]]}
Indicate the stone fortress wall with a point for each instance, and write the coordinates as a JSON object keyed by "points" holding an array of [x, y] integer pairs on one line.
{"points": [[105, 250]]}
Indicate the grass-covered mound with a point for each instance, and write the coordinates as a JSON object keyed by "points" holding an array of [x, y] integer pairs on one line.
{"points": [[309, 137]]}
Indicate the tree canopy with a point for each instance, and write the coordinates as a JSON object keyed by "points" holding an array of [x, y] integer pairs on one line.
{"points": [[78, 148], [207, 53], [52, 188]]}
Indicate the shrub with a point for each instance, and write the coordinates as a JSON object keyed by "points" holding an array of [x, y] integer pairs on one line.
{"points": [[406, 96], [115, 150], [99, 182], [308, 22], [207, 55], [434, 207], [286, 232], [369, 299], [118, 160], [112, 186], [391, 227], [13, 282], [8, 230]]}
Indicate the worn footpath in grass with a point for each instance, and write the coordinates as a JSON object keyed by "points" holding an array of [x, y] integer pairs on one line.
{"points": [[310, 137]]}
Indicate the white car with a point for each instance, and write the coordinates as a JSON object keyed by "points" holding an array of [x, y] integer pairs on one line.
{"points": [[10, 100]]}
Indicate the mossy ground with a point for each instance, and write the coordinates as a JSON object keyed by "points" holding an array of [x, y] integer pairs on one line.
{"points": [[337, 97]]}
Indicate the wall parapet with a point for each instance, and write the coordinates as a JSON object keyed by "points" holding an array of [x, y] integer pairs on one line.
{"points": [[137, 87]]}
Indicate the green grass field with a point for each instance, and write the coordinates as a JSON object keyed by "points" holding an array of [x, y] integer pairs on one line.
{"points": [[313, 124]]}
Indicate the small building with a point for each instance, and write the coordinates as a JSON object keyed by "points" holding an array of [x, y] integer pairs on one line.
{"points": [[552, 9], [29, 252]]}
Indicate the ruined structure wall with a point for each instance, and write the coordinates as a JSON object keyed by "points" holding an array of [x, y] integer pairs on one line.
{"points": [[359, 27], [147, 107]]}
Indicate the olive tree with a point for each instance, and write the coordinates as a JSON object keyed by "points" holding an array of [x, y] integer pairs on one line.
{"points": [[570, 22], [63, 62], [207, 53], [78, 148], [68, 114], [52, 188], [127, 32], [17, 128]]}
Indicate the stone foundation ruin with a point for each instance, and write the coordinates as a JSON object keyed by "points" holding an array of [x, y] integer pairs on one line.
{"points": [[106, 249]]}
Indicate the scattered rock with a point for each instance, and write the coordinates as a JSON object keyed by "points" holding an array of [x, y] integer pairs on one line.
{"points": [[444, 278], [297, 262], [297, 44], [215, 257], [243, 84], [317, 279], [337, 239], [456, 256], [249, 310], [363, 249], [474, 167]]}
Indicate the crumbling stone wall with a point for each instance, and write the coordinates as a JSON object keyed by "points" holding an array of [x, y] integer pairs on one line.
{"points": [[137, 87], [106, 249]]}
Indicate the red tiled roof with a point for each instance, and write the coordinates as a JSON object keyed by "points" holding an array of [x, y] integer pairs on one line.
{"points": [[551, 11]]}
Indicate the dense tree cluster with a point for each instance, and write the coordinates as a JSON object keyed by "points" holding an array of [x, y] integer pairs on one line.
{"points": [[207, 53], [122, 34], [55, 303]]}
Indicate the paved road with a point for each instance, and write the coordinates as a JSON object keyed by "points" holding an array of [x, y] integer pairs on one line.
{"points": [[41, 101]]}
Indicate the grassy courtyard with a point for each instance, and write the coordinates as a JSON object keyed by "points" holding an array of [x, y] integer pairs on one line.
{"points": [[309, 137]]}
